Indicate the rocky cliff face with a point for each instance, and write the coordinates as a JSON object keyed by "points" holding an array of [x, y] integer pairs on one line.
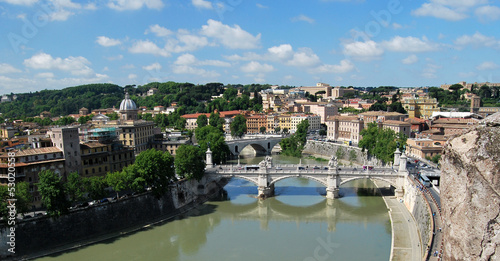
{"points": [[470, 193]]}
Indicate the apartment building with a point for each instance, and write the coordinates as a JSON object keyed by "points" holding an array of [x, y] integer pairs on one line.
{"points": [[421, 107], [296, 119]]}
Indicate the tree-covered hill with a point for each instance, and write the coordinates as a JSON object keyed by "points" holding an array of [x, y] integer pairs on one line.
{"points": [[190, 98]]}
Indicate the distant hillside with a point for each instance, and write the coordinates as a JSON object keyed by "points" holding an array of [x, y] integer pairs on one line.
{"points": [[191, 97]]}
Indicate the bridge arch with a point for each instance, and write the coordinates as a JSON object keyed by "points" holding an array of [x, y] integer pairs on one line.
{"points": [[392, 182], [322, 182], [254, 181]]}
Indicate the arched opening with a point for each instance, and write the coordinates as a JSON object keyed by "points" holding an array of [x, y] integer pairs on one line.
{"points": [[299, 191]]}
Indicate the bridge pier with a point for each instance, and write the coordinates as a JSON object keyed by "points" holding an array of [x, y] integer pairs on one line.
{"points": [[333, 184]]}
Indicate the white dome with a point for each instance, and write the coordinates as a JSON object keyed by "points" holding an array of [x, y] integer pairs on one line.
{"points": [[127, 104]]}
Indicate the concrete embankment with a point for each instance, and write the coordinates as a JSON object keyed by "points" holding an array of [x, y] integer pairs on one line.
{"points": [[46, 235]]}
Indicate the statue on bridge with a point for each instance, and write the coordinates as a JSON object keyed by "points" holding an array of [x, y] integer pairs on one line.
{"points": [[333, 163], [267, 162]]}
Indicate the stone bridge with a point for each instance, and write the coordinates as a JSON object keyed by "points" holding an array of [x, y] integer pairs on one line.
{"points": [[332, 177], [263, 145]]}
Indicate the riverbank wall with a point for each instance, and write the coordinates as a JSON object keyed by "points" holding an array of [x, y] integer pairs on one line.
{"points": [[41, 234], [420, 209], [346, 153]]}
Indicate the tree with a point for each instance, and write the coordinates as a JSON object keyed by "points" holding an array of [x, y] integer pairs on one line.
{"points": [[322, 132], [216, 121], [156, 168], [436, 158], [189, 162], [352, 155], [230, 94], [51, 189], [74, 187], [215, 137], [340, 153], [238, 126], [293, 145], [262, 130], [4, 196], [118, 181], [277, 129], [95, 186], [202, 121], [381, 142]]}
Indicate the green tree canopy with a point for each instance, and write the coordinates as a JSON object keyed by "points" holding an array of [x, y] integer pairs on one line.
{"points": [[156, 168], [51, 189], [74, 187], [118, 181], [216, 138], [202, 121], [96, 187], [189, 162], [381, 142], [238, 126]]}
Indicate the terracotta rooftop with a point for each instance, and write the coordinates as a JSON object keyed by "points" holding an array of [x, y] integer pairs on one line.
{"points": [[36, 151], [400, 123]]}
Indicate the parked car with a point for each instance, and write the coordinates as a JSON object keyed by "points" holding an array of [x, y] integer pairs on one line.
{"points": [[315, 167], [104, 200], [301, 168], [279, 168]]}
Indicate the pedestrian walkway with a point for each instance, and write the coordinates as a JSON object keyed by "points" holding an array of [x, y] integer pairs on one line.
{"points": [[405, 238]]}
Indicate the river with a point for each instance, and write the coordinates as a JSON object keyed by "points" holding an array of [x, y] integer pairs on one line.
{"points": [[297, 224]]}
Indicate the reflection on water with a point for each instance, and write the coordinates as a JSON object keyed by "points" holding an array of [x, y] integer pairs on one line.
{"points": [[299, 223]]}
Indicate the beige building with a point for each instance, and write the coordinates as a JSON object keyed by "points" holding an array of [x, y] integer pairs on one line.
{"points": [[340, 92], [421, 107], [296, 119], [398, 127], [344, 128], [381, 116], [323, 110], [424, 147], [284, 121]]}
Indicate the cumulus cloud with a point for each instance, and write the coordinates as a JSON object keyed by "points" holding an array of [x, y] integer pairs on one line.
{"points": [[202, 4], [148, 47], [281, 52], [256, 67], [409, 44], [487, 66], [186, 69], [304, 57], [74, 65], [8, 69], [232, 37], [186, 42], [107, 42], [410, 59], [122, 5], [303, 18], [487, 13], [451, 10], [367, 50], [477, 40], [152, 67], [189, 59], [344, 66], [158, 30]]}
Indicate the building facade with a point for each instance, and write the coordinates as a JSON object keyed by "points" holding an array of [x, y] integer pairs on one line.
{"points": [[421, 107]]}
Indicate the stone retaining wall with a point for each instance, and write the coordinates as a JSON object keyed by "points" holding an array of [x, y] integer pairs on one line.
{"points": [[45, 233]]}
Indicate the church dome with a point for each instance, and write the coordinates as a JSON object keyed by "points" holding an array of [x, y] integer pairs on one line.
{"points": [[127, 104]]}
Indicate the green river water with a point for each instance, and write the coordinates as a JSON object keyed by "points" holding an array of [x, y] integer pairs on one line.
{"points": [[299, 223]]}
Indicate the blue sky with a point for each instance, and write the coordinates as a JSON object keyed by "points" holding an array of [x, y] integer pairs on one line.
{"points": [[52, 44]]}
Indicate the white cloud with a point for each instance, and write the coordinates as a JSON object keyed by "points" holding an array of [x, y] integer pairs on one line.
{"points": [[115, 58], [409, 44], [132, 76], [430, 71], [202, 4], [152, 67], [66, 4], [487, 66], [128, 66], [439, 11], [148, 47], [367, 50], [281, 52], [158, 30], [303, 18], [122, 5], [253, 67], [189, 59], [186, 42], [45, 75], [107, 42], [232, 37], [261, 6], [460, 3], [410, 59], [7, 69], [20, 2], [344, 66], [304, 57], [396, 26], [186, 69], [487, 13], [60, 15], [478, 40], [74, 65]]}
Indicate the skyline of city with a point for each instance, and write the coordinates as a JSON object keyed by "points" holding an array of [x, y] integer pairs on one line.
{"points": [[53, 44]]}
